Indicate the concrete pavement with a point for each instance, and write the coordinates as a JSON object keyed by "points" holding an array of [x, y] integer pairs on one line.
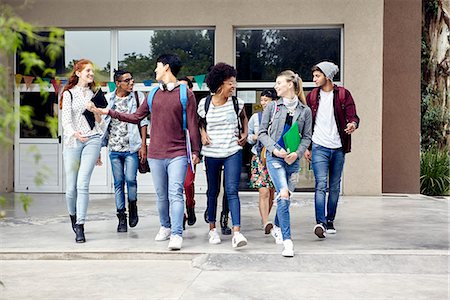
{"points": [[390, 247]]}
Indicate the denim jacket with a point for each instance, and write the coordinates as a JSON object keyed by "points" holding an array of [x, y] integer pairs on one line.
{"points": [[133, 130], [274, 119]]}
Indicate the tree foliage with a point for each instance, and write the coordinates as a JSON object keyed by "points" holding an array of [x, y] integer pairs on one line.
{"points": [[194, 47]]}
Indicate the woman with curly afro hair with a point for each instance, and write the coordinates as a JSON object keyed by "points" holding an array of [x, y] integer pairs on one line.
{"points": [[222, 117]]}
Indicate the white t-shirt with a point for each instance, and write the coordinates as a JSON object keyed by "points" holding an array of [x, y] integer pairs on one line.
{"points": [[325, 129], [221, 127]]}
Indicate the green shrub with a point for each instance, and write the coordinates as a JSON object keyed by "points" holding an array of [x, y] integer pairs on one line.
{"points": [[434, 172]]}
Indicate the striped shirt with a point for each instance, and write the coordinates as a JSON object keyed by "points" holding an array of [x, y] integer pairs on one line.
{"points": [[221, 127]]}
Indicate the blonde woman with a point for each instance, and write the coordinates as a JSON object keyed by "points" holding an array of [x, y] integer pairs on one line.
{"points": [[283, 166]]}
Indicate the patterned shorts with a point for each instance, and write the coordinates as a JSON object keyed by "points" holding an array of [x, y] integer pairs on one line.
{"points": [[260, 176]]}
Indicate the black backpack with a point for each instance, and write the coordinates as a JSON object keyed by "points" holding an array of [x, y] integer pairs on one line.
{"points": [[236, 109]]}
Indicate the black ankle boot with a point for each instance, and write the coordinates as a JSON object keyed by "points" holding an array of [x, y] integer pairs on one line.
{"points": [[191, 218], [132, 210], [122, 226], [79, 232], [73, 220], [224, 224]]}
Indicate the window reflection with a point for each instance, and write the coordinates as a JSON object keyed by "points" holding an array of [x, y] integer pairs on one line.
{"points": [[139, 49], [42, 107], [262, 54], [92, 45]]}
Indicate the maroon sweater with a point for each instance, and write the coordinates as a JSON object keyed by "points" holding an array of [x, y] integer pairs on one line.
{"points": [[343, 113], [167, 138]]}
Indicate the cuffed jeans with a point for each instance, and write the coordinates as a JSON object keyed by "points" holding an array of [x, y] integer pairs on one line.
{"points": [[79, 162], [124, 168], [232, 173], [283, 177], [327, 165], [168, 177]]}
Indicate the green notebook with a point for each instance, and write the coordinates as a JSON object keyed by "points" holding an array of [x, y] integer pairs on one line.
{"points": [[292, 138]]}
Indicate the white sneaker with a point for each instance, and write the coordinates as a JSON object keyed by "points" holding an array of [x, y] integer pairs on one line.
{"points": [[238, 240], [175, 242], [214, 237], [277, 235], [319, 230], [288, 250], [163, 234]]}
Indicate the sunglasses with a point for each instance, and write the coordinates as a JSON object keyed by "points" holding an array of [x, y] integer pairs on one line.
{"points": [[128, 80]]}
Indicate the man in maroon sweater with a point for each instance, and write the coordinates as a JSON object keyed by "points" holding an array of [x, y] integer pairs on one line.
{"points": [[167, 149], [334, 119]]}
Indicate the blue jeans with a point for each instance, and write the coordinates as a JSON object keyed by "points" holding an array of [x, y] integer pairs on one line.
{"points": [[168, 177], [283, 176], [79, 162], [232, 174], [327, 165], [124, 168]]}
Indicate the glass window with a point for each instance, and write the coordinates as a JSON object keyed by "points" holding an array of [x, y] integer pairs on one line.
{"points": [[139, 49], [42, 107], [261, 54], [92, 45]]}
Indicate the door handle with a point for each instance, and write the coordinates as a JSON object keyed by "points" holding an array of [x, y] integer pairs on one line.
{"points": [[59, 139]]}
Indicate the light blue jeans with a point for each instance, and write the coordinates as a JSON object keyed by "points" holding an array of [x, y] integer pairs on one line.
{"points": [[124, 168], [327, 165], [79, 162], [283, 177], [168, 177]]}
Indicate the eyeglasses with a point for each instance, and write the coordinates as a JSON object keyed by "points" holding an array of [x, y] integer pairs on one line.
{"points": [[128, 80], [231, 82]]}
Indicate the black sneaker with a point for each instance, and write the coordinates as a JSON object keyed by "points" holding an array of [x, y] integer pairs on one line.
{"points": [[224, 224], [320, 231], [191, 218], [330, 227], [205, 216]]}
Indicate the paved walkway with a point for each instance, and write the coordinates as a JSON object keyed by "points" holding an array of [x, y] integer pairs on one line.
{"points": [[391, 247]]}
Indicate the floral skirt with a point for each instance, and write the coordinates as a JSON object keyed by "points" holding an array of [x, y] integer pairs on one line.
{"points": [[260, 176]]}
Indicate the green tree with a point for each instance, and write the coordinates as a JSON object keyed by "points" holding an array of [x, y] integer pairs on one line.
{"points": [[14, 34], [194, 47]]}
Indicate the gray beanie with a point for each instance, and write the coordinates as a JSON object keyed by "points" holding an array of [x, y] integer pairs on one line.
{"points": [[328, 68]]}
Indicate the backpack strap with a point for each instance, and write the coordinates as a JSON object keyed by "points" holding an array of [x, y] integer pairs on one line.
{"points": [[259, 117], [150, 98], [207, 104], [183, 100], [71, 96], [341, 95], [236, 109]]}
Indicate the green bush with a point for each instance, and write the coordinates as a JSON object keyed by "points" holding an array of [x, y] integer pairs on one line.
{"points": [[434, 172]]}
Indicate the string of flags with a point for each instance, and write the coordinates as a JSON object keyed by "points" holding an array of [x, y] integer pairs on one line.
{"points": [[58, 83]]}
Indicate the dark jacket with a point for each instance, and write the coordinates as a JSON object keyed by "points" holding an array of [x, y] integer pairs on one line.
{"points": [[344, 113]]}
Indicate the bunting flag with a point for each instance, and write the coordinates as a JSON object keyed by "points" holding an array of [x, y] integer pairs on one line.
{"points": [[18, 79], [28, 81], [111, 86], [200, 79], [48, 80], [56, 85], [147, 82]]}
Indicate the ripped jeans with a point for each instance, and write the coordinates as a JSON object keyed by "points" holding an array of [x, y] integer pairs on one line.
{"points": [[283, 176]]}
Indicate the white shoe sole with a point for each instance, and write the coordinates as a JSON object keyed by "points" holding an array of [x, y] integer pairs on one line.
{"points": [[174, 247], [287, 253], [321, 234], [240, 244], [215, 242], [161, 239], [331, 231]]}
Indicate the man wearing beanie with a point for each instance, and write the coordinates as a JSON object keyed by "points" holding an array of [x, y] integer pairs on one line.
{"points": [[334, 120]]}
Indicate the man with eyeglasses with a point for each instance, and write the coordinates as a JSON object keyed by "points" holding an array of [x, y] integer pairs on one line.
{"points": [[126, 147]]}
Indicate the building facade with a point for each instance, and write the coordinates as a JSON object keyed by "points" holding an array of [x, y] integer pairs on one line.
{"points": [[376, 44]]}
